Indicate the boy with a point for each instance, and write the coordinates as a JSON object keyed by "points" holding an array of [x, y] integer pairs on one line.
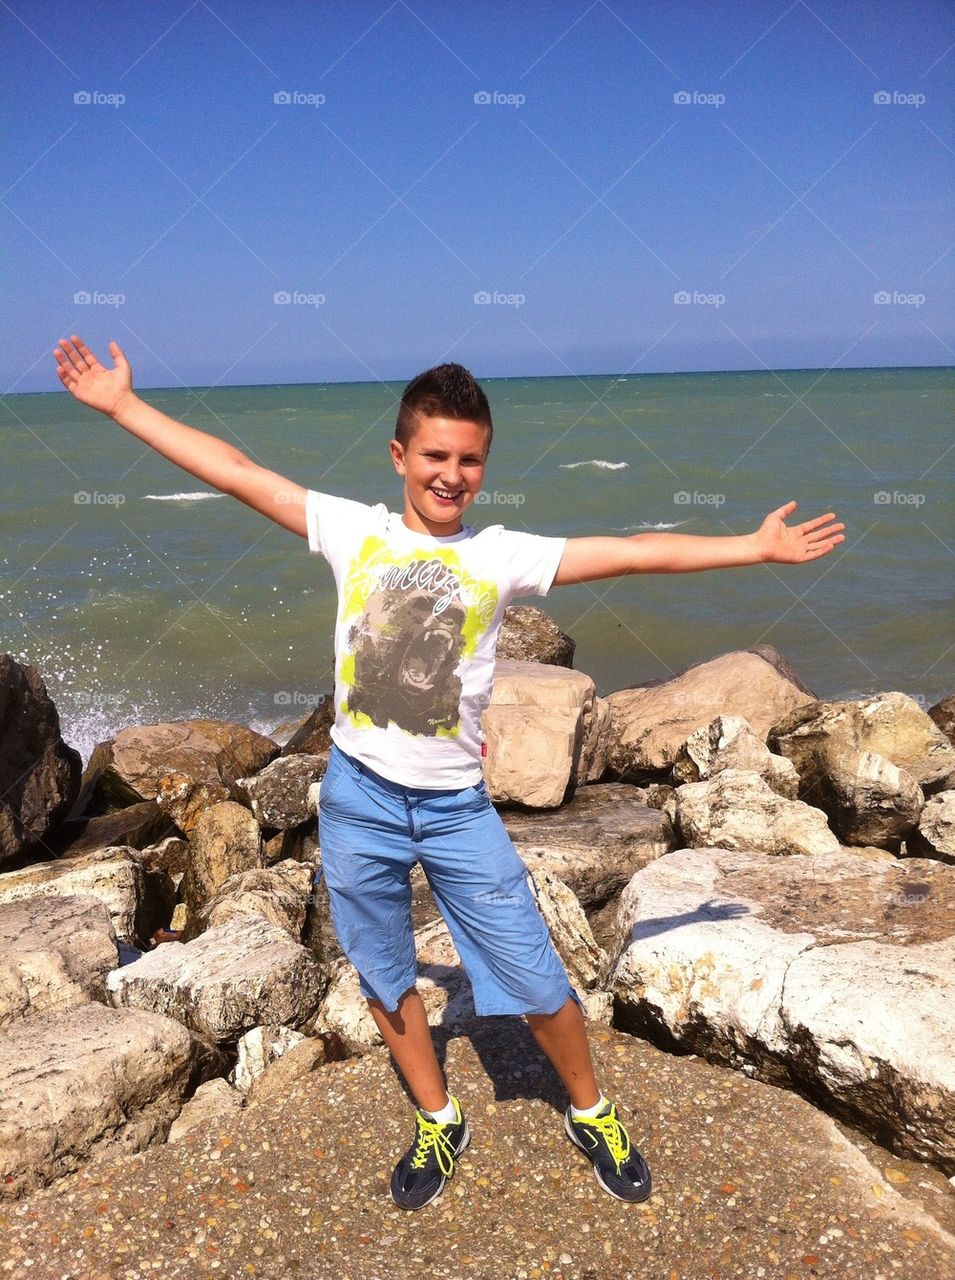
{"points": [[421, 599]]}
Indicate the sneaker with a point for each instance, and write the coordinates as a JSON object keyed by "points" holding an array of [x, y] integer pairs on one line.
{"points": [[421, 1173], [618, 1167]]}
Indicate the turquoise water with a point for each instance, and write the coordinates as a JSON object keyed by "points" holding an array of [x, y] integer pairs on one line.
{"points": [[156, 599]]}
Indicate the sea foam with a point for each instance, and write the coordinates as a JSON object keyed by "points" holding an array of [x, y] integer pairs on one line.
{"points": [[595, 462], [180, 497]]}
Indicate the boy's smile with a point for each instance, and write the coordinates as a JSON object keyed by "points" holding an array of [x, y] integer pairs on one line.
{"points": [[443, 467]]}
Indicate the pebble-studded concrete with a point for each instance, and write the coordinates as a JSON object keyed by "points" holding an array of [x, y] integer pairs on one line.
{"points": [[750, 1181]]}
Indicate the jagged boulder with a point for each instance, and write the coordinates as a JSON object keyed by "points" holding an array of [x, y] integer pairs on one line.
{"points": [[184, 799], [737, 809], [127, 768], [225, 841], [651, 722], [833, 974], [278, 893], [114, 876], [39, 772], [278, 794], [869, 800], [528, 635], [943, 715], [234, 977], [313, 735], [729, 743]]}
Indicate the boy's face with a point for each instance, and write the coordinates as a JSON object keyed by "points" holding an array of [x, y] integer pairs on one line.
{"points": [[443, 467]]}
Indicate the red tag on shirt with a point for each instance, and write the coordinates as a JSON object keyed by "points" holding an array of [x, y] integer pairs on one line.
{"points": [[483, 750]]}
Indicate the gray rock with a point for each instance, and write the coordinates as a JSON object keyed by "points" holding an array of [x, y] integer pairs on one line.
{"points": [[831, 974], [232, 978], [278, 893], [528, 635], [54, 953], [729, 743], [87, 1082], [869, 800], [935, 835], [278, 794], [737, 809]]}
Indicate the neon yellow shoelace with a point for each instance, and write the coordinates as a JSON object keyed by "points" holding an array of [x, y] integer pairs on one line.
{"points": [[431, 1134], [616, 1136]]}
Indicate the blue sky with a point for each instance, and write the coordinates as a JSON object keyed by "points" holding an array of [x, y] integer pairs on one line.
{"points": [[652, 187]]}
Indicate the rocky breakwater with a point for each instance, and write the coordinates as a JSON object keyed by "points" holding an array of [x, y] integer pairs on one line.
{"points": [[170, 955]]}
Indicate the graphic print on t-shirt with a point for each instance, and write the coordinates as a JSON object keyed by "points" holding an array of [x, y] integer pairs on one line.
{"points": [[417, 615]]}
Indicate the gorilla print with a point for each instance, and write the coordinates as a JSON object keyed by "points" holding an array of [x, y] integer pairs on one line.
{"points": [[406, 646]]}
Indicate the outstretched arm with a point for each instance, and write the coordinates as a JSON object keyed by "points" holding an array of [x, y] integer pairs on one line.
{"points": [[586, 559], [204, 456]]}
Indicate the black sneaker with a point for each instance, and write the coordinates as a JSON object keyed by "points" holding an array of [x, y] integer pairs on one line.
{"points": [[618, 1167], [421, 1173]]}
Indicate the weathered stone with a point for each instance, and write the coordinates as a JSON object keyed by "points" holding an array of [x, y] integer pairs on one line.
{"points": [[39, 773], [280, 1073], [584, 960], [185, 799], [86, 1082], [831, 974], [729, 743], [737, 809], [257, 1049], [651, 722], [278, 893], [127, 768], [868, 799], [892, 725], [54, 953], [595, 842], [226, 840], [935, 835], [114, 876], [530, 754], [234, 977], [278, 795], [211, 1104], [595, 750], [528, 635]]}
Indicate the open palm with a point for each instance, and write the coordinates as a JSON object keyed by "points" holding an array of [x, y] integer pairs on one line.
{"points": [[84, 377], [795, 544]]}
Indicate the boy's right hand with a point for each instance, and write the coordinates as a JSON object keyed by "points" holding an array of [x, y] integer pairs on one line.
{"points": [[85, 378]]}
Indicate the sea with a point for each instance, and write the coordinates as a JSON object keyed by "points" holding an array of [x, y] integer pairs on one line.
{"points": [[142, 595]]}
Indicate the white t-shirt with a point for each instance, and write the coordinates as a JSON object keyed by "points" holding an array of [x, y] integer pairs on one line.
{"points": [[415, 634]]}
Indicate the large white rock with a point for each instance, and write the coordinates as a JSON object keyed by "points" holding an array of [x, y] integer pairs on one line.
{"points": [[54, 952], [222, 984], [834, 974], [84, 1082], [870, 800], [736, 809], [114, 876], [935, 835]]}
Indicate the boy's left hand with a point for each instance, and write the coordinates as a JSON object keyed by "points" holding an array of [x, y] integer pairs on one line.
{"points": [[779, 543]]}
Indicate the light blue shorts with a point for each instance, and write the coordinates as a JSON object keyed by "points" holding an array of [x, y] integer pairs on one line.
{"points": [[372, 832]]}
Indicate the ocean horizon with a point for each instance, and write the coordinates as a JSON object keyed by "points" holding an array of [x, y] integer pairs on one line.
{"points": [[142, 595]]}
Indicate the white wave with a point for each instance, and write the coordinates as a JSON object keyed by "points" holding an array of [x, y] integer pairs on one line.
{"points": [[180, 497], [594, 462], [651, 524]]}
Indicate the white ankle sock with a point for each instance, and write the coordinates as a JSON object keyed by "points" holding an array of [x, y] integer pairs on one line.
{"points": [[445, 1115], [588, 1113]]}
